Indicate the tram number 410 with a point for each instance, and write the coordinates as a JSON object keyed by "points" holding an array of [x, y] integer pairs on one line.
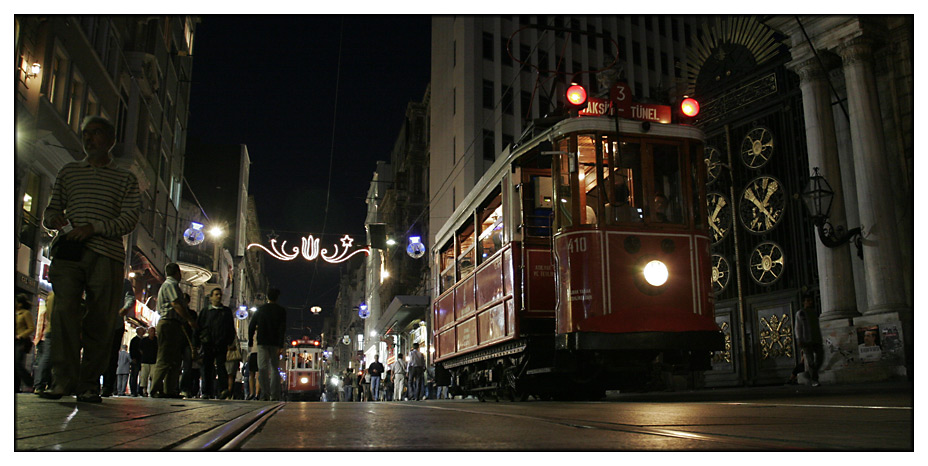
{"points": [[576, 245]]}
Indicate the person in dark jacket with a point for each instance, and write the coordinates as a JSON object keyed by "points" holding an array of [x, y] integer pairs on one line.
{"points": [[149, 349], [809, 338], [270, 324], [217, 331], [135, 354]]}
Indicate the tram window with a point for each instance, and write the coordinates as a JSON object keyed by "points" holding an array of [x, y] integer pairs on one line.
{"points": [[586, 174], [626, 198], [539, 201], [667, 200], [466, 262], [564, 218], [446, 265], [491, 229]]}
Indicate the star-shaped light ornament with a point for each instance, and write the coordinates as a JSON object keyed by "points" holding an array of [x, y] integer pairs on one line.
{"points": [[347, 241]]}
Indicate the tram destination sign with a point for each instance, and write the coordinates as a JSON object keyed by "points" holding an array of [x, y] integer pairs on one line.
{"points": [[633, 111]]}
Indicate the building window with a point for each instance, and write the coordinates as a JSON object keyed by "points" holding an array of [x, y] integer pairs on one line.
{"points": [[454, 158], [489, 145], [93, 105], [575, 31], [526, 98], [524, 52], [507, 101], [454, 53], [58, 80], [454, 100], [661, 28], [647, 23], [488, 101], [122, 112], [664, 68], [576, 66], [542, 63], [636, 53], [651, 58], [608, 48], [76, 101], [673, 30], [687, 35], [488, 46], [504, 52], [591, 36], [507, 141]]}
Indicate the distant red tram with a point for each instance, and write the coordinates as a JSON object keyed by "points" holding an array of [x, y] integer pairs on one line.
{"points": [[304, 366], [579, 263]]}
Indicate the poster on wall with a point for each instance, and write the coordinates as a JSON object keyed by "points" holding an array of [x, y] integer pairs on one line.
{"points": [[891, 343], [868, 344], [840, 347]]}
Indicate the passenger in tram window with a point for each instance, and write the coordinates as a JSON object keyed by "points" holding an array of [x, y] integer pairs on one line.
{"points": [[660, 208], [624, 211]]}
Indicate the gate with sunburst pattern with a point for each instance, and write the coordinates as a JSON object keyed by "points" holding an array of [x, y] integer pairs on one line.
{"points": [[763, 254]]}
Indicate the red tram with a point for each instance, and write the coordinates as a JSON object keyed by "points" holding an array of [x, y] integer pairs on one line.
{"points": [[304, 366], [579, 263]]}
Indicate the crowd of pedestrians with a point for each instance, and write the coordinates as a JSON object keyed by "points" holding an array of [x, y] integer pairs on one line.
{"points": [[405, 379], [78, 335]]}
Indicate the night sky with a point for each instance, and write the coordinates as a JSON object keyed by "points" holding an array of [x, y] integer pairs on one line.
{"points": [[275, 84]]}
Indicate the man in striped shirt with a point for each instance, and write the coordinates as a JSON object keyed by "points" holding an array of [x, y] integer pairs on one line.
{"points": [[93, 205]]}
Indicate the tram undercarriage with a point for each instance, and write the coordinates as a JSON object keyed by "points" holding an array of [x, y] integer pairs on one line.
{"points": [[531, 367]]}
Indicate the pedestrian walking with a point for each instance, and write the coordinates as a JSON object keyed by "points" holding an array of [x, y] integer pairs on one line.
{"points": [[135, 364], [42, 370], [347, 377], [809, 337], [376, 372], [191, 359], [254, 383], [233, 362], [149, 350], [399, 377], [24, 326], [109, 375], [270, 324], [124, 361], [172, 309], [217, 332], [93, 204], [442, 380], [416, 372]]}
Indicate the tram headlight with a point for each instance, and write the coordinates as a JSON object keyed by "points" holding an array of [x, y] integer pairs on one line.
{"points": [[655, 273], [304, 380]]}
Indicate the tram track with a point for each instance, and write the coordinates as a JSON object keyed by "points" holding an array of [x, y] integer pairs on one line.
{"points": [[720, 441], [230, 435]]}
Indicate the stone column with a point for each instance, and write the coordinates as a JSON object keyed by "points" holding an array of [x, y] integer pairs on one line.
{"points": [[883, 262], [836, 279]]}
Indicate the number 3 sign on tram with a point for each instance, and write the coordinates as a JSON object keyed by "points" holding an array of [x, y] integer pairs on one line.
{"points": [[621, 96]]}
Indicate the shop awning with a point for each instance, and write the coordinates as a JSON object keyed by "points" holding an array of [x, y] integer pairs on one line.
{"points": [[402, 310]]}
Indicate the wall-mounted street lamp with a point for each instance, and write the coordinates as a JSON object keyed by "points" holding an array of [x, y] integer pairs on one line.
{"points": [[818, 196], [29, 71], [315, 310]]}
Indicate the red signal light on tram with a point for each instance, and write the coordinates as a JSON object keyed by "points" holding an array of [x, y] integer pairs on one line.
{"points": [[294, 343], [576, 95], [689, 107]]}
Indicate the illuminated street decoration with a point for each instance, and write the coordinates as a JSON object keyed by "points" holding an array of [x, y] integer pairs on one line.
{"points": [[415, 249], [194, 235], [310, 250]]}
